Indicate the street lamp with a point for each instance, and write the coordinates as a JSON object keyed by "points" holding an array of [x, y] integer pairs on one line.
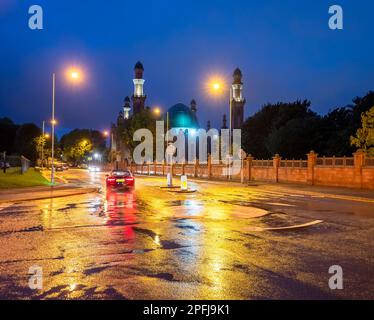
{"points": [[157, 111], [216, 86], [73, 75]]}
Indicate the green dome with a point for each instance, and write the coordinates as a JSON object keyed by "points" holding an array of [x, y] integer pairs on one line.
{"points": [[181, 116]]}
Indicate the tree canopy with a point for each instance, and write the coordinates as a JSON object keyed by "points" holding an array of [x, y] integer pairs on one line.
{"points": [[293, 129], [24, 141], [143, 119], [79, 142], [8, 130], [364, 138]]}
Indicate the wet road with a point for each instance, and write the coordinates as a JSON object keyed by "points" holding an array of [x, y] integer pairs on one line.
{"points": [[221, 242]]}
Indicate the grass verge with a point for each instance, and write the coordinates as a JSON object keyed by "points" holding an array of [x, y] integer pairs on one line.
{"points": [[14, 179]]}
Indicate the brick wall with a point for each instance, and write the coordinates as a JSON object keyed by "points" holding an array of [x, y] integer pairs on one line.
{"points": [[354, 172]]}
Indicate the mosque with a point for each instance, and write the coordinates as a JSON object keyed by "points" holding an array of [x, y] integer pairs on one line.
{"points": [[179, 116]]}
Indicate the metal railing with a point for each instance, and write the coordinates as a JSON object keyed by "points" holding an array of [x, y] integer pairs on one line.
{"points": [[369, 162], [293, 163], [335, 162], [262, 163]]}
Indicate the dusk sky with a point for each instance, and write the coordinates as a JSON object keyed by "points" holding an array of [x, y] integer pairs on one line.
{"points": [[285, 50]]}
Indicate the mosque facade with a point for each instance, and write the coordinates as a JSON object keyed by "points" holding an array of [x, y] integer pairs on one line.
{"points": [[179, 116]]}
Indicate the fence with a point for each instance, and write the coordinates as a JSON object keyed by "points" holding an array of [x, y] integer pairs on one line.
{"points": [[356, 171], [17, 161]]}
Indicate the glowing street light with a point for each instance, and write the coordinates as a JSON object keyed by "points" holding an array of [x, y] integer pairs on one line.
{"points": [[216, 85], [74, 75], [157, 111], [105, 133]]}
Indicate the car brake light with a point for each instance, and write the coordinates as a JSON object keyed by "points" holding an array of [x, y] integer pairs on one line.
{"points": [[129, 179]]}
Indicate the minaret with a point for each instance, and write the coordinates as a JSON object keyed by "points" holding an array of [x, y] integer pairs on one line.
{"points": [[193, 105], [138, 98], [224, 122], [126, 108], [208, 125], [238, 101]]}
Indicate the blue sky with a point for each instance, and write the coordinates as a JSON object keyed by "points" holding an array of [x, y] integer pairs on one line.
{"points": [[284, 48]]}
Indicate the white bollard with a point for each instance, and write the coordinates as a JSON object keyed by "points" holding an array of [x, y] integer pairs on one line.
{"points": [[169, 180], [184, 184]]}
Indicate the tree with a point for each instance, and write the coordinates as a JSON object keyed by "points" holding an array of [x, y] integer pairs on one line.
{"points": [[8, 130], [364, 138], [272, 130], [290, 129], [24, 142], [39, 144], [294, 139], [334, 133], [80, 150], [143, 119], [74, 149]]}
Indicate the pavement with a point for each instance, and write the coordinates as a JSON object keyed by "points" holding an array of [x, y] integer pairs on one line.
{"points": [[225, 241], [62, 188]]}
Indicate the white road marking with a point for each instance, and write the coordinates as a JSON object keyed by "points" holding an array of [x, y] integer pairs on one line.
{"points": [[5, 205], [298, 226]]}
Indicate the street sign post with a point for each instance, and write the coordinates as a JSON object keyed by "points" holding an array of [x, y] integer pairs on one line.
{"points": [[170, 150], [242, 155]]}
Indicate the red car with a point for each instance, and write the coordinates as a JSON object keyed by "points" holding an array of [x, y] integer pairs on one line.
{"points": [[120, 178]]}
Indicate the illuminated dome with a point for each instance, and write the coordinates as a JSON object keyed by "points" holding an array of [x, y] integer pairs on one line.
{"points": [[181, 116]]}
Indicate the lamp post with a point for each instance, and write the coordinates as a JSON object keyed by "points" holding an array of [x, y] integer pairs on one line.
{"points": [[216, 86], [43, 135], [74, 75], [53, 129]]}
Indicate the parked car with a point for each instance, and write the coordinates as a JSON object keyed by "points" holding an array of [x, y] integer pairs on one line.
{"points": [[120, 178], [59, 168]]}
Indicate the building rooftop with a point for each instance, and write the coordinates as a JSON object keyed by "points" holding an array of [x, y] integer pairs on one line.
{"points": [[181, 116]]}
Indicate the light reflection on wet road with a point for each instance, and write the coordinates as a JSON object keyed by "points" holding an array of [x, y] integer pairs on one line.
{"points": [[149, 243]]}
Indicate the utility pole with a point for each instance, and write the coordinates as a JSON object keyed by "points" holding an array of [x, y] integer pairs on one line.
{"points": [[43, 141], [53, 129]]}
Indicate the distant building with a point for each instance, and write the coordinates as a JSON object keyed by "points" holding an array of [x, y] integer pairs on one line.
{"points": [[179, 116], [118, 149]]}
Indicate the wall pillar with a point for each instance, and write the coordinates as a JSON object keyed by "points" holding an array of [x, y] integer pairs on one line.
{"points": [[248, 162], [312, 161], [276, 164], [359, 162], [196, 168]]}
